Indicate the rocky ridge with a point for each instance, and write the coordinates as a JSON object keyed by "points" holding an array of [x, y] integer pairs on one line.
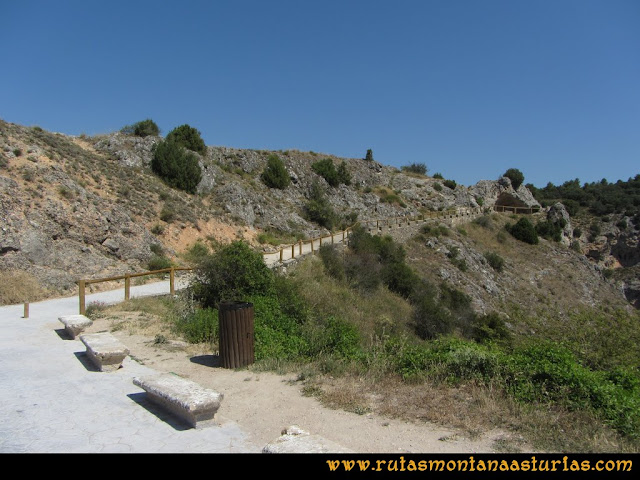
{"points": [[87, 207]]}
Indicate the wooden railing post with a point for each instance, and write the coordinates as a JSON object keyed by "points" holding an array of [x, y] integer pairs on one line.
{"points": [[26, 310], [281, 254], [300, 250], [127, 286], [293, 251], [172, 277], [81, 296], [312, 248]]}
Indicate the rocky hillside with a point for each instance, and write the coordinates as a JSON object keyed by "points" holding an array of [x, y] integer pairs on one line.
{"points": [[87, 207]]}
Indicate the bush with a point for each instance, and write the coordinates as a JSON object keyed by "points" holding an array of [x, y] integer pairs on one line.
{"points": [[319, 210], [419, 168], [524, 231], [495, 261], [145, 128], [327, 170], [187, 137], [450, 184], [549, 230], [515, 176], [158, 262], [176, 166], [231, 274], [490, 328], [438, 176], [275, 174], [199, 326], [332, 261]]}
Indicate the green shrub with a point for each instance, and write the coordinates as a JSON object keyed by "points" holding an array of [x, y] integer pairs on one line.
{"points": [[332, 261], [199, 326], [490, 328], [333, 176], [187, 137], [484, 221], [549, 230], [430, 319], [275, 174], [495, 261], [418, 168], [438, 176], [524, 231], [144, 128], [319, 210], [232, 273], [157, 249], [515, 176], [158, 262], [547, 372], [178, 167], [277, 335], [437, 187], [450, 184], [196, 252]]}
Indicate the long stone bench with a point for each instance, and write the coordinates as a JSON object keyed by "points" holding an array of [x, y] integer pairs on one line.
{"points": [[191, 402], [75, 324], [105, 351]]}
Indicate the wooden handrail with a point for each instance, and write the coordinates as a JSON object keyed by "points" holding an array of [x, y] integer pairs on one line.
{"points": [[377, 222], [127, 283]]}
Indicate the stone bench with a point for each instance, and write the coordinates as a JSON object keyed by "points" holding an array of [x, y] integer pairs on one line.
{"points": [[75, 324], [105, 351], [191, 402]]}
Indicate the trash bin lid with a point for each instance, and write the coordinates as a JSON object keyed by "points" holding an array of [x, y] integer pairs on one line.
{"points": [[234, 305]]}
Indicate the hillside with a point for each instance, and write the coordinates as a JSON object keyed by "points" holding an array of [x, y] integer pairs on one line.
{"points": [[90, 207], [536, 337], [81, 207]]}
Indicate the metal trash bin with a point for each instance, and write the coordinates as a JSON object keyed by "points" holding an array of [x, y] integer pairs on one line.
{"points": [[236, 334]]}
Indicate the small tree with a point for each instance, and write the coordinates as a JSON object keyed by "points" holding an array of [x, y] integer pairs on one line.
{"points": [[189, 138], [369, 156], [178, 167], [275, 174], [318, 209], [419, 168], [524, 231], [343, 173], [516, 177], [233, 273], [144, 128]]}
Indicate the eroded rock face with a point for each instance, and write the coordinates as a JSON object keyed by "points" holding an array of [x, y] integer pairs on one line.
{"points": [[502, 193], [559, 216]]}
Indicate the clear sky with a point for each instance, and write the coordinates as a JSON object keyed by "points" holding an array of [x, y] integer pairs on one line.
{"points": [[468, 87]]}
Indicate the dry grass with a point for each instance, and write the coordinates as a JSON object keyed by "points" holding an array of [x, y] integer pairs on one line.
{"points": [[18, 287], [473, 409]]}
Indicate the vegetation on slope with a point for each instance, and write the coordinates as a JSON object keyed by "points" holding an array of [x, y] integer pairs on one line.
{"points": [[598, 198], [367, 312]]}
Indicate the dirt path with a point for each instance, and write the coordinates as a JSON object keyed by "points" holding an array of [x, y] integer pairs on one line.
{"points": [[263, 403]]}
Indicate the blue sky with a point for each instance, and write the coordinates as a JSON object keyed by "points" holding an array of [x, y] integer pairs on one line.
{"points": [[468, 87]]}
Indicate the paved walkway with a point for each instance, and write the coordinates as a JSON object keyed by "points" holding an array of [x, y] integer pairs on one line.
{"points": [[52, 400]]}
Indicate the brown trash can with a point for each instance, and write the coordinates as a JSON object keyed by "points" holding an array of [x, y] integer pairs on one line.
{"points": [[236, 334]]}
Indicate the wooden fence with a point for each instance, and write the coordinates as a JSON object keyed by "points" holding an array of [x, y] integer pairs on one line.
{"points": [[309, 246], [127, 283]]}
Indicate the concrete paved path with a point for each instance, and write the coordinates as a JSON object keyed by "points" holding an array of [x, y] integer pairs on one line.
{"points": [[53, 400]]}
